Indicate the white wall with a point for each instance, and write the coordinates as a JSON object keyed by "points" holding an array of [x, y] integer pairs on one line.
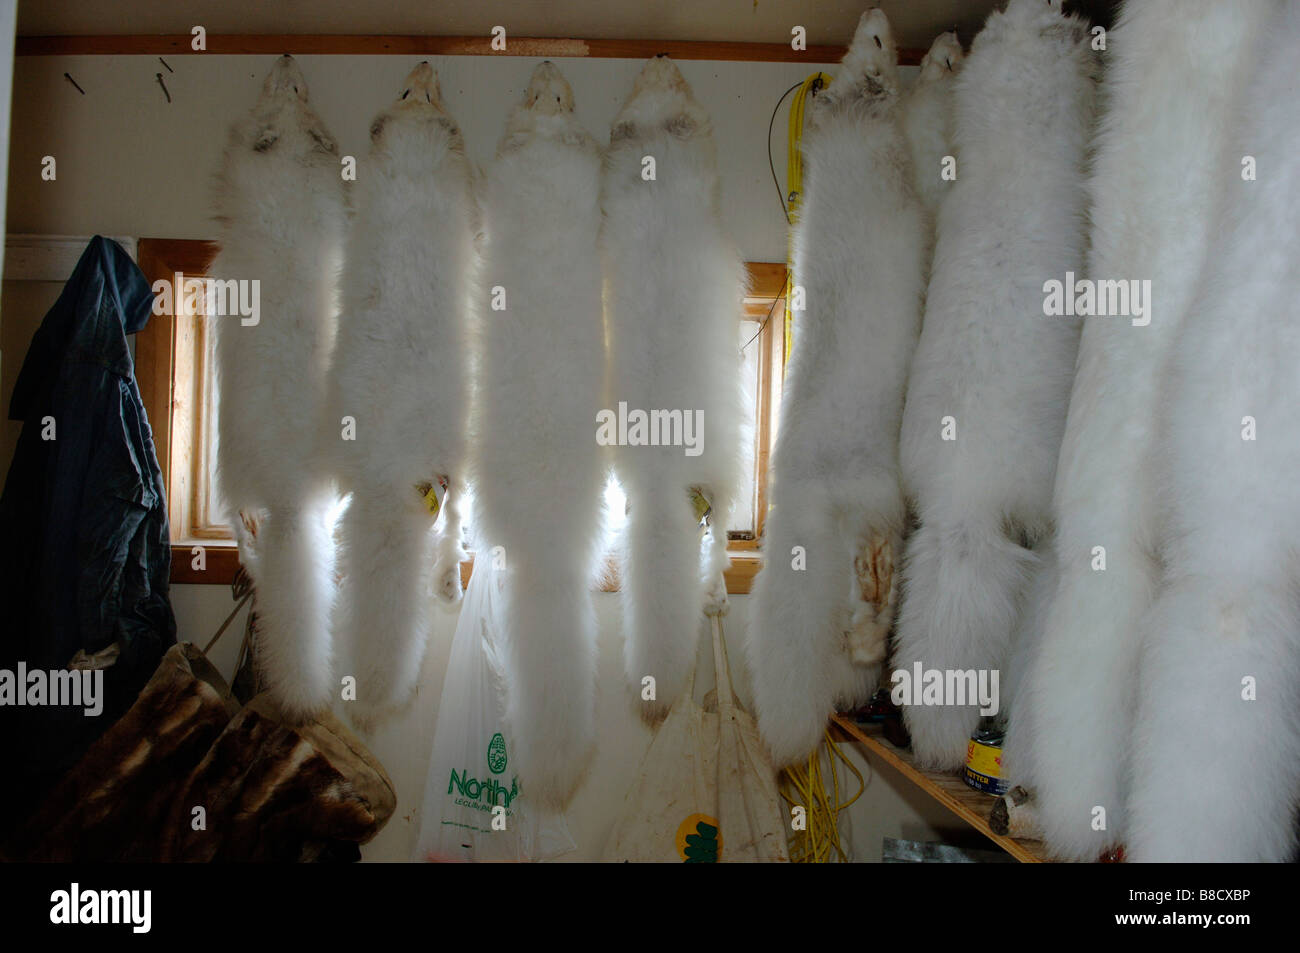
{"points": [[130, 163]]}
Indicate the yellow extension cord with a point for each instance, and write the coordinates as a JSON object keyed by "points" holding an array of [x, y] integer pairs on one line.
{"points": [[805, 785], [794, 185]]}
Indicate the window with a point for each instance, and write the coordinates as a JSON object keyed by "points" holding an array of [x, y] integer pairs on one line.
{"points": [[763, 340], [174, 366]]}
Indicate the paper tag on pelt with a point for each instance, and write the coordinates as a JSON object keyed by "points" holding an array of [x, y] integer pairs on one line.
{"points": [[433, 494], [701, 503]]}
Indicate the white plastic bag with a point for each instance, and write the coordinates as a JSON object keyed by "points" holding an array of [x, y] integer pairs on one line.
{"points": [[707, 791], [470, 771]]}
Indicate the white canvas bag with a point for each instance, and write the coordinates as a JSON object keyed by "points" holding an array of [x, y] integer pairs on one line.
{"points": [[707, 790]]}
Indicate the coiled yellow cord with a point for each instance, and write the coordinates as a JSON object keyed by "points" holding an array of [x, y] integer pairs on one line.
{"points": [[805, 786], [794, 185]]}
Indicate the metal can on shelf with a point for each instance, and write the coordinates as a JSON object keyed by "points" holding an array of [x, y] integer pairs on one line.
{"points": [[983, 769]]}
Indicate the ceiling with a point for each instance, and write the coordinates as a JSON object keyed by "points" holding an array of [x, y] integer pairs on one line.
{"points": [[828, 22]]}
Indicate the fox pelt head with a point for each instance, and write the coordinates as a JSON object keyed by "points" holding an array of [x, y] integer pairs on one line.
{"points": [[868, 74], [944, 56], [661, 101], [283, 118], [413, 127], [545, 111]]}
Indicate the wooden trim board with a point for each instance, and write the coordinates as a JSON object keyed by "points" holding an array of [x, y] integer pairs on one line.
{"points": [[50, 257], [766, 279], [949, 790], [379, 45]]}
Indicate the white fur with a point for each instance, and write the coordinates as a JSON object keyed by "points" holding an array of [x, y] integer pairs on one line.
{"points": [[400, 372], [539, 474], [1175, 70], [990, 358], [815, 642], [928, 119], [280, 202], [1217, 777], [674, 285]]}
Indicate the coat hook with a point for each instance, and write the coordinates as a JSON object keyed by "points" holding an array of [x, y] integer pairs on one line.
{"points": [[69, 78], [164, 86], [164, 63]]}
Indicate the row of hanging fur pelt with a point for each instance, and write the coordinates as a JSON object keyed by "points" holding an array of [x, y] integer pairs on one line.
{"points": [[673, 286], [387, 422], [384, 421], [1173, 86]]}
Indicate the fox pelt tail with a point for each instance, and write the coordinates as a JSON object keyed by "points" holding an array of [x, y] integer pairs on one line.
{"points": [[663, 592], [963, 587], [382, 611], [1016, 685], [801, 596], [551, 621], [291, 563], [1238, 801]]}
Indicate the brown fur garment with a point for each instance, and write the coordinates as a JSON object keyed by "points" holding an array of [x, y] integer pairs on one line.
{"points": [[276, 792], [111, 806]]}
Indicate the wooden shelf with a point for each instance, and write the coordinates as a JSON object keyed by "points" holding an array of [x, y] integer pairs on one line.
{"points": [[949, 790]]}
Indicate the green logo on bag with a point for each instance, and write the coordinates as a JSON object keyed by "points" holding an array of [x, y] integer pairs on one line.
{"points": [[492, 791], [496, 754], [698, 839]]}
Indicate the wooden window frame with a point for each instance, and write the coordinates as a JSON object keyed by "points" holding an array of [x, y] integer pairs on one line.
{"points": [[765, 303], [169, 367]]}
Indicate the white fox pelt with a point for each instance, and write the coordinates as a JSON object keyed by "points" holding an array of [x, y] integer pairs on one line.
{"points": [[281, 208], [1216, 759], [989, 385], [1173, 83], [539, 474], [400, 376], [928, 119], [674, 286], [824, 602]]}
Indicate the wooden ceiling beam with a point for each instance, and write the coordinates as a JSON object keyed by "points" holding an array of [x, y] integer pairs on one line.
{"points": [[379, 45]]}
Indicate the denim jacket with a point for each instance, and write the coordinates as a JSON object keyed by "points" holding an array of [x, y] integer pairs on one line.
{"points": [[83, 516]]}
